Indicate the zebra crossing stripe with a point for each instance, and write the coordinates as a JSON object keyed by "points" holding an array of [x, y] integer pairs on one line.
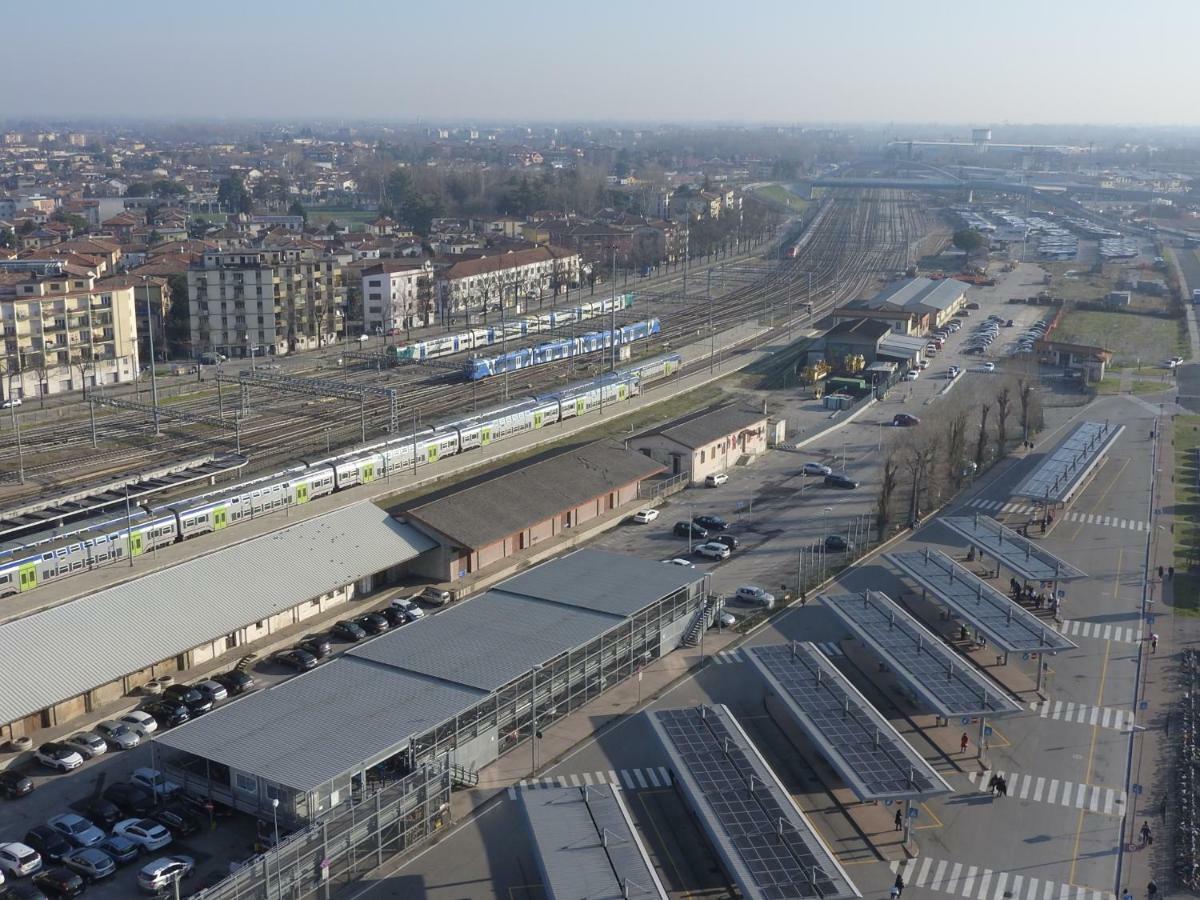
{"points": [[979, 883], [1092, 798], [630, 779]]}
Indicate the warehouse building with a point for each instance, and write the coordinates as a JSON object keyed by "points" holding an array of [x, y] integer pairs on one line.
{"points": [[467, 684], [912, 306], [506, 514], [70, 660], [706, 443]]}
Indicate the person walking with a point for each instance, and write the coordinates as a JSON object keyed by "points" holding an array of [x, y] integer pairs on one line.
{"points": [[992, 782], [1003, 786], [1125, 895], [1147, 835], [1170, 572], [963, 742], [1154, 643], [898, 884], [1152, 890], [899, 820]]}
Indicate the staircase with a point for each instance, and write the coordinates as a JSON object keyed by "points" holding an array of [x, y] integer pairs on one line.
{"points": [[462, 777], [705, 616]]}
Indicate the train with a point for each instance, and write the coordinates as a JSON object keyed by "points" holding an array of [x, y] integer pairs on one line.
{"points": [[480, 367], [52, 556], [489, 335]]}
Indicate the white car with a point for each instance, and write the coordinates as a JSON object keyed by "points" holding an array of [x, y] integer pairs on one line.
{"points": [[10, 403], [1178, 360], [1170, 364], [146, 833], [713, 551], [749, 593], [19, 860], [162, 873], [953, 372], [58, 756], [727, 619], [141, 722], [88, 744], [78, 830], [363, 338], [988, 367], [680, 562], [645, 516], [911, 375], [411, 611], [119, 735], [816, 469], [154, 781], [716, 480]]}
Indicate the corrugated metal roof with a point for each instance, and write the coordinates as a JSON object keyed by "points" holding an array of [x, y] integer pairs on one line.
{"points": [[56, 654], [313, 728], [707, 427], [586, 845], [601, 581], [489, 511], [920, 292], [487, 641]]}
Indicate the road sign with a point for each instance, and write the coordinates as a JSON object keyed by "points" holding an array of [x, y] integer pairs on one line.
{"points": [[1137, 789], [966, 720], [912, 813], [987, 730], [1024, 656], [888, 802], [1145, 704]]}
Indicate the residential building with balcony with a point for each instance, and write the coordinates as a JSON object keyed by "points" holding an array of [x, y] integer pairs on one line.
{"points": [[277, 301], [397, 295], [512, 279], [65, 333]]}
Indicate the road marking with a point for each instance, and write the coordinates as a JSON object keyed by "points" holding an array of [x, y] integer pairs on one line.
{"points": [[1101, 631], [986, 884], [726, 657], [1092, 798], [630, 779]]}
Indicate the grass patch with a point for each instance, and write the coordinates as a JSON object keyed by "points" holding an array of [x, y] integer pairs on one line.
{"points": [[328, 214], [1187, 515], [1130, 337], [1140, 386], [777, 193], [1108, 385], [1081, 283]]}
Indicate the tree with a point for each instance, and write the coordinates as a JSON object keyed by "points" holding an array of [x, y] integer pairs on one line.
{"points": [[232, 195], [887, 487], [78, 224], [154, 237], [985, 409], [41, 367], [139, 189], [178, 325], [1003, 409], [27, 226], [332, 227], [296, 208], [7, 238], [956, 443], [969, 240], [83, 364]]}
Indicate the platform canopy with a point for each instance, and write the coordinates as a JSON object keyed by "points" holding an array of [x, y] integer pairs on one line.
{"points": [[1020, 555], [1059, 474]]}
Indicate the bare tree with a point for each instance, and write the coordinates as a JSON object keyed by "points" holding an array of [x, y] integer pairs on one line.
{"points": [[1004, 400], [956, 443], [83, 364], [985, 409], [887, 487], [41, 367]]}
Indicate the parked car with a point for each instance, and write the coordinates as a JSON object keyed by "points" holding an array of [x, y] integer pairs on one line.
{"points": [[812, 468], [749, 593], [395, 616], [904, 420], [435, 595], [300, 660], [213, 691], [18, 860], [348, 631], [679, 561], [911, 375], [14, 784], [372, 623], [122, 850], [154, 781], [131, 799], [75, 828], [203, 807], [59, 882], [711, 523], [987, 367], [49, 843], [235, 681], [90, 862], [954, 371], [141, 722], [169, 713], [87, 744], [410, 609], [195, 701], [162, 873], [146, 833], [103, 812], [837, 480], [712, 550], [683, 529], [716, 479], [319, 645], [118, 735], [645, 516], [58, 756], [177, 820], [727, 539], [10, 403], [837, 544]]}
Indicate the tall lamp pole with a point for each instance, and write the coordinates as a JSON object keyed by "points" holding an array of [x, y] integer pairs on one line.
{"points": [[150, 333]]}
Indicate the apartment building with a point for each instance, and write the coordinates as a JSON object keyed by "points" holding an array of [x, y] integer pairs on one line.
{"points": [[397, 295], [67, 332], [265, 301], [513, 278]]}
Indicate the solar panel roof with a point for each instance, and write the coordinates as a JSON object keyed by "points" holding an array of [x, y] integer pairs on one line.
{"points": [[859, 742], [1015, 553], [769, 847], [950, 684], [1057, 477], [1007, 625]]}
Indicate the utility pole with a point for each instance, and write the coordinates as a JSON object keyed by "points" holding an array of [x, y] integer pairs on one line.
{"points": [[613, 328], [153, 376], [712, 335]]}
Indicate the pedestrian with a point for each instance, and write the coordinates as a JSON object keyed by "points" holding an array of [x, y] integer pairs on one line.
{"points": [[992, 782], [1003, 786], [899, 820], [1154, 643], [1160, 572], [894, 893], [1125, 895], [962, 743], [1147, 835], [898, 884], [1152, 890], [1170, 572]]}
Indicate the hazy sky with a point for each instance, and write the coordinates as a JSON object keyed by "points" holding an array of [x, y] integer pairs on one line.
{"points": [[965, 61]]}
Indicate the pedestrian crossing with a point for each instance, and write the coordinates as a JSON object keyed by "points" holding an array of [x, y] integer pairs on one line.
{"points": [[738, 655], [1100, 631], [1082, 714], [1024, 509], [1055, 791], [980, 883], [630, 779]]}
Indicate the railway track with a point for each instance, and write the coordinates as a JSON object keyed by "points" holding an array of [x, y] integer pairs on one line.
{"points": [[861, 236]]}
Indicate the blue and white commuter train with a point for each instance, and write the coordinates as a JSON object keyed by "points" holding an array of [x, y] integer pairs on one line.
{"points": [[480, 367]]}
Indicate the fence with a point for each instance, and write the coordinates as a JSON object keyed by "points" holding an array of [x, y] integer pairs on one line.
{"points": [[354, 839], [657, 488]]}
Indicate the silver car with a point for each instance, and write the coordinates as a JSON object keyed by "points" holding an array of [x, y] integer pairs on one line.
{"points": [[90, 862], [76, 829], [119, 735], [88, 744]]}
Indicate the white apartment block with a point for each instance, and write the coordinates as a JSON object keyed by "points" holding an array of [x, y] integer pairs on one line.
{"points": [[513, 278], [396, 295]]}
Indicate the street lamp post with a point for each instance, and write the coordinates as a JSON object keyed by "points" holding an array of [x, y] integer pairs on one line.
{"points": [[275, 819], [150, 335], [533, 722]]}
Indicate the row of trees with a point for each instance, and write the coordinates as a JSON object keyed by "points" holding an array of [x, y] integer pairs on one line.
{"points": [[974, 425]]}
